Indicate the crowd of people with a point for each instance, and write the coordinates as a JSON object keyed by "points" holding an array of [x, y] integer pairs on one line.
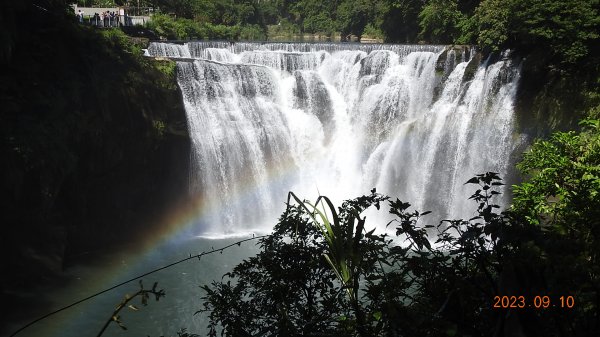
{"points": [[103, 19]]}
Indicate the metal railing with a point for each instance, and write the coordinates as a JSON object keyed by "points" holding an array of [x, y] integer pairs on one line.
{"points": [[116, 21], [106, 22]]}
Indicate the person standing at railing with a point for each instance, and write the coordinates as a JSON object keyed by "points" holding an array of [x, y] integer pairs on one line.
{"points": [[122, 16]]}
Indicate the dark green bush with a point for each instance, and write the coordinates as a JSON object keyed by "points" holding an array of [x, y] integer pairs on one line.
{"points": [[321, 273]]}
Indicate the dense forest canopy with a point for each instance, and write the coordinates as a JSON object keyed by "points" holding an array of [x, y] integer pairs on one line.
{"points": [[567, 29]]}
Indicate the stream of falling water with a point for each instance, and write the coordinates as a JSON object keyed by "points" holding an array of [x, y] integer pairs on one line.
{"points": [[416, 122]]}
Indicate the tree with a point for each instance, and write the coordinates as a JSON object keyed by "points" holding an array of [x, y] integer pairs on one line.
{"points": [[562, 199], [400, 20], [312, 16], [269, 11], [564, 31], [353, 16], [568, 29], [286, 290], [322, 272], [180, 8], [439, 21], [319, 23]]}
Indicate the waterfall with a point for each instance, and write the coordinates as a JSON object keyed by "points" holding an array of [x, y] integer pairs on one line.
{"points": [[416, 122]]}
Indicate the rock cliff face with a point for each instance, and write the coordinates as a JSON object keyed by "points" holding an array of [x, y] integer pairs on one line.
{"points": [[548, 99], [90, 133], [552, 100]]}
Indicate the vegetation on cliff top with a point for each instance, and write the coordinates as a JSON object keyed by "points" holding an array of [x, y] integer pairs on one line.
{"points": [[567, 31]]}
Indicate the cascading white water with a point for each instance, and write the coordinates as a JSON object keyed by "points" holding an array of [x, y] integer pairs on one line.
{"points": [[413, 121]]}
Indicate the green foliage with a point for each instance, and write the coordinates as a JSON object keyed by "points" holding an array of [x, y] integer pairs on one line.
{"points": [[563, 33], [186, 29], [373, 32], [220, 12], [567, 30], [117, 39], [562, 198], [353, 16], [468, 30], [167, 67], [560, 201], [284, 290], [102, 3], [564, 180], [252, 32], [180, 8], [440, 21], [494, 17], [345, 253], [400, 20], [175, 29], [219, 32], [311, 16], [269, 12], [98, 3], [284, 29], [322, 271], [319, 23]]}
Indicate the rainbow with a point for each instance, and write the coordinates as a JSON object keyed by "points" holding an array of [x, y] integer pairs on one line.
{"points": [[172, 227]]}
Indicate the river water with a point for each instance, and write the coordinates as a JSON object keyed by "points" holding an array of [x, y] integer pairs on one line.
{"points": [[163, 318]]}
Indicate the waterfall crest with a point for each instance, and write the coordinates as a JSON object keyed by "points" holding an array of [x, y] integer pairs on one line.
{"points": [[416, 122]]}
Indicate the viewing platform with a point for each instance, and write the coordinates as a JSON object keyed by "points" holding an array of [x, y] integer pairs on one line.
{"points": [[116, 17]]}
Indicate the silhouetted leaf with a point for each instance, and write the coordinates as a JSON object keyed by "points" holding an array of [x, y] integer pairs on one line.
{"points": [[473, 180]]}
